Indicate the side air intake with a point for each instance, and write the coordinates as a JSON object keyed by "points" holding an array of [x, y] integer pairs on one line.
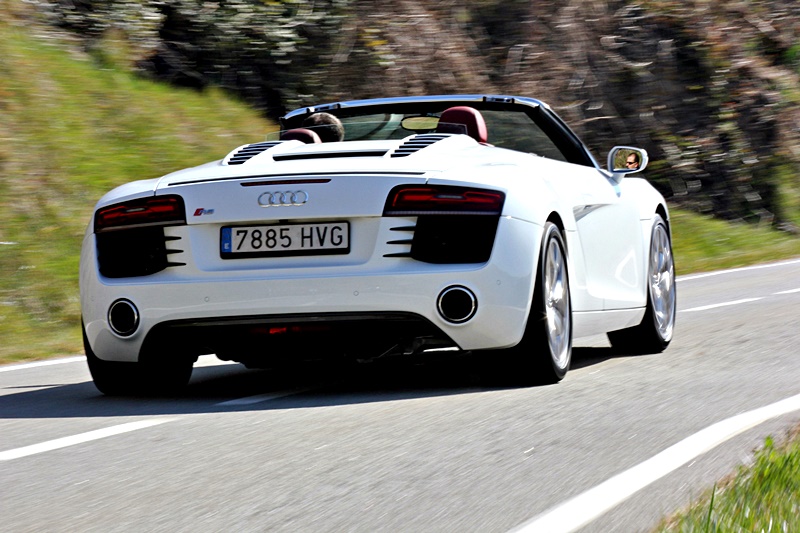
{"points": [[248, 151], [417, 143]]}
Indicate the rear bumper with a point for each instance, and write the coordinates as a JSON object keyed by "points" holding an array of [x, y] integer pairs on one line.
{"points": [[376, 287]]}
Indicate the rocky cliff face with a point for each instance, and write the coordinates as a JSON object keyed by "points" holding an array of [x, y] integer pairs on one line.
{"points": [[710, 89]]}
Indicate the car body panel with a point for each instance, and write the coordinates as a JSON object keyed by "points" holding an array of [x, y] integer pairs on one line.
{"points": [[503, 287], [605, 222]]}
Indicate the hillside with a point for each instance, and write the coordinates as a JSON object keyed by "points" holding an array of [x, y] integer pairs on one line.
{"points": [[71, 129], [711, 89]]}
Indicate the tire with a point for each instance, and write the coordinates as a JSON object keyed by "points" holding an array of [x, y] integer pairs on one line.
{"points": [[654, 333], [163, 371], [544, 354], [157, 373], [112, 378]]}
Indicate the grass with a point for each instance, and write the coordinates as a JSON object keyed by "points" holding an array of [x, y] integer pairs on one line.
{"points": [[763, 496], [702, 243]]}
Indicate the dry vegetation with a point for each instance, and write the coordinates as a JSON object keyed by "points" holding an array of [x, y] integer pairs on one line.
{"points": [[709, 87]]}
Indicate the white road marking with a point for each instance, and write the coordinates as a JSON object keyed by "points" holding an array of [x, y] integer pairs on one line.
{"points": [[80, 438], [723, 304], [787, 292], [584, 508], [202, 361], [24, 366], [212, 360], [250, 400], [690, 277]]}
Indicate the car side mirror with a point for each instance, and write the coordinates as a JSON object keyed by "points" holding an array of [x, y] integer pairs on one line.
{"points": [[624, 160]]}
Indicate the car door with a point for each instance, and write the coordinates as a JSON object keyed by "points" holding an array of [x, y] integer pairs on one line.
{"points": [[610, 242]]}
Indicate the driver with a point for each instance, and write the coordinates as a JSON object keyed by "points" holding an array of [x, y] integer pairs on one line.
{"points": [[328, 127]]}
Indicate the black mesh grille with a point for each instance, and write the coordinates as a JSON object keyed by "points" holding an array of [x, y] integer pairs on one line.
{"points": [[134, 252], [454, 239], [447, 239]]}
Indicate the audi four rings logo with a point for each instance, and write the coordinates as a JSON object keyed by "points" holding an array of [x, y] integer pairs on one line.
{"points": [[282, 199]]}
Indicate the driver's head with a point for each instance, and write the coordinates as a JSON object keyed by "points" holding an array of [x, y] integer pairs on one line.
{"points": [[328, 127]]}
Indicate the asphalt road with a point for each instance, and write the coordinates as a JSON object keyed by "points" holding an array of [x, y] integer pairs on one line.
{"points": [[413, 447]]}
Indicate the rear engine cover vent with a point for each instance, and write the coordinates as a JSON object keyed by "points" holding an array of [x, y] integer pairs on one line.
{"points": [[417, 143], [135, 252], [446, 239], [330, 155], [251, 150]]}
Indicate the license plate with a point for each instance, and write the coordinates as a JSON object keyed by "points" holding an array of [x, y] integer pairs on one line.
{"points": [[323, 238]]}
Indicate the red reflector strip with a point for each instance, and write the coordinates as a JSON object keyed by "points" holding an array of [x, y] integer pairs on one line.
{"points": [[140, 212], [282, 330]]}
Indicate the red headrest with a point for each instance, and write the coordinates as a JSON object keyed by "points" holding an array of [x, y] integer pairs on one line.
{"points": [[301, 134], [471, 118]]}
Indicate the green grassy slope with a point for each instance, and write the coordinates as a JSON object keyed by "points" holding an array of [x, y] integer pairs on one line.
{"points": [[701, 243], [71, 128], [762, 496]]}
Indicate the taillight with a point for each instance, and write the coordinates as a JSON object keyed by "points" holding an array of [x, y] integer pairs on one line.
{"points": [[150, 211], [442, 200]]}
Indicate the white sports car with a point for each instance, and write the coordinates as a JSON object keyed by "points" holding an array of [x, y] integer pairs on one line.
{"points": [[466, 222]]}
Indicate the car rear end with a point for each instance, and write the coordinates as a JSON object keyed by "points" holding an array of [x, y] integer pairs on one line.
{"points": [[313, 259]]}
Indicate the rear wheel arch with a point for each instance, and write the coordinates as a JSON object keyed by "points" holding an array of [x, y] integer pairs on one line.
{"points": [[662, 211], [555, 219]]}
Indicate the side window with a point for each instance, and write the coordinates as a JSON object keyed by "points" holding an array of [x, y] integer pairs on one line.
{"points": [[516, 131]]}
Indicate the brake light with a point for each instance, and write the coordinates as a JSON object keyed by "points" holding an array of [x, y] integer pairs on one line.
{"points": [[443, 200], [151, 211]]}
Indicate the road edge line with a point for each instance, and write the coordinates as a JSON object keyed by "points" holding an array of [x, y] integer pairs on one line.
{"points": [[80, 438], [48, 362], [690, 277], [591, 504]]}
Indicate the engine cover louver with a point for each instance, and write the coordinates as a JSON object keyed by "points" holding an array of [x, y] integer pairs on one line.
{"points": [[251, 150], [417, 143], [329, 155]]}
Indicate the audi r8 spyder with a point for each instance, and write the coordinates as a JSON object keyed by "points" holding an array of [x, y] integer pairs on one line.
{"points": [[370, 228]]}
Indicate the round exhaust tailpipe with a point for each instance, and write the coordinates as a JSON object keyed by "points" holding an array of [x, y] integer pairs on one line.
{"points": [[123, 317], [457, 304]]}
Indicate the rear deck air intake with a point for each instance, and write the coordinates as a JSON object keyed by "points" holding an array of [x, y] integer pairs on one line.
{"points": [[249, 151], [417, 143], [330, 155]]}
